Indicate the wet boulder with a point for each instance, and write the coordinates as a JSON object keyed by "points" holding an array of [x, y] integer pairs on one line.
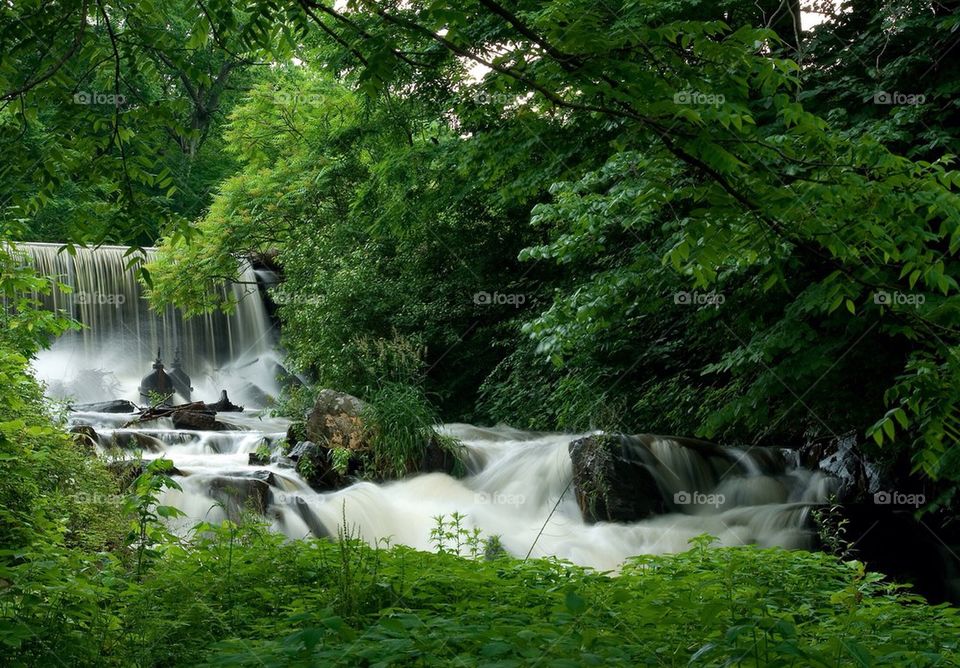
{"points": [[239, 493], [129, 439], [612, 481], [125, 471], [303, 449], [86, 437], [335, 421], [441, 456], [316, 465], [841, 457], [302, 508], [195, 420]]}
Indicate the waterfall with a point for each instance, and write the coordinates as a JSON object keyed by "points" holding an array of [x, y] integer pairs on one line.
{"points": [[519, 487], [121, 333]]}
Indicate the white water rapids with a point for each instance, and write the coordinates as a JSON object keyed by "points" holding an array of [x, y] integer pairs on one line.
{"points": [[515, 481], [518, 485]]}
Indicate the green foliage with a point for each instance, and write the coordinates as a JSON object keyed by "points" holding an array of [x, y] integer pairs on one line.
{"points": [[147, 532], [61, 524], [685, 156], [24, 325], [399, 422], [263, 450], [340, 460], [382, 233], [266, 601], [109, 115], [453, 537], [832, 530], [51, 489], [307, 468]]}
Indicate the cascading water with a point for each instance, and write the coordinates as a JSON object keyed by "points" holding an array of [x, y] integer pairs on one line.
{"points": [[122, 334], [519, 483]]}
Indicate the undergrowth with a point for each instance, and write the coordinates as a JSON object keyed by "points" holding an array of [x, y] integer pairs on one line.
{"points": [[242, 595]]}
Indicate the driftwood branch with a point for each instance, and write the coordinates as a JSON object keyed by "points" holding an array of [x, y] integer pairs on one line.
{"points": [[223, 405]]}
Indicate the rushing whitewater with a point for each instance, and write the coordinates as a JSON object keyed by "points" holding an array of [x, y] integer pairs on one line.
{"points": [[518, 487]]}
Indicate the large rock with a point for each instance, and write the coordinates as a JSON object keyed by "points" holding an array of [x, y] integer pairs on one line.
{"points": [[840, 457], [86, 437], [303, 449], [315, 463], [335, 421], [891, 540], [238, 493], [125, 471], [196, 421], [334, 424], [611, 482], [129, 439], [440, 457]]}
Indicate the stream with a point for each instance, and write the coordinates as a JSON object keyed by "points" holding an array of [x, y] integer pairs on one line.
{"points": [[517, 487]]}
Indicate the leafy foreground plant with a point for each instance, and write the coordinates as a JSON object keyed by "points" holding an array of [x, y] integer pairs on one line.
{"points": [[243, 596]]}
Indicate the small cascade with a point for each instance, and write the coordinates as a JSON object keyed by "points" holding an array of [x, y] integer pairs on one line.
{"points": [[518, 487], [122, 334]]}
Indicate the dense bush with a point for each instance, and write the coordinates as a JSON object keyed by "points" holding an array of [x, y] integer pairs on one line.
{"points": [[60, 524], [243, 596]]}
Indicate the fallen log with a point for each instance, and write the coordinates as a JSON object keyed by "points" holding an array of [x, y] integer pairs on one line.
{"points": [[197, 407]]}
